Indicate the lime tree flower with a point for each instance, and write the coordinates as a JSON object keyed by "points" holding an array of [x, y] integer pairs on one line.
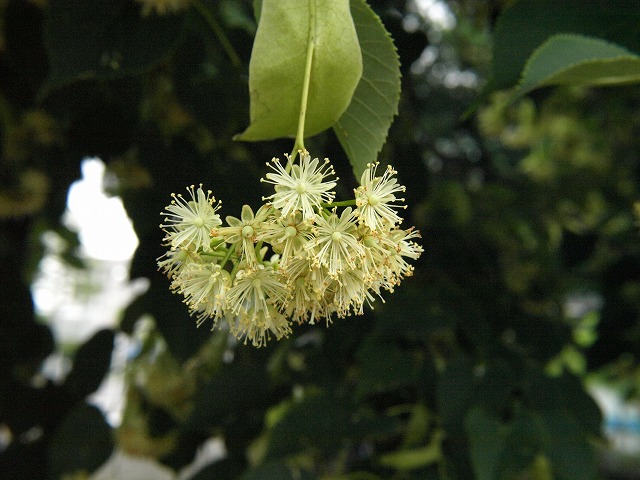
{"points": [[303, 187], [254, 300], [204, 286], [376, 198], [307, 286], [350, 292], [254, 290], [376, 255], [401, 245], [300, 258], [288, 236], [172, 262], [242, 233], [303, 303], [189, 221], [258, 327], [336, 246]]}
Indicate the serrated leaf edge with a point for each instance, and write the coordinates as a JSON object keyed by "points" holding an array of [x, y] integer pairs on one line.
{"points": [[339, 130], [520, 90]]}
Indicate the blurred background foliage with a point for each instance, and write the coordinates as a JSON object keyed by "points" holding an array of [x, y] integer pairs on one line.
{"points": [[477, 367]]}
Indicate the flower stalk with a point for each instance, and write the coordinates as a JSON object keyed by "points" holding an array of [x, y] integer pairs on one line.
{"points": [[311, 45]]}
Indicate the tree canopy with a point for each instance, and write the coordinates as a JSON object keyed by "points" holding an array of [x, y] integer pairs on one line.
{"points": [[512, 136]]}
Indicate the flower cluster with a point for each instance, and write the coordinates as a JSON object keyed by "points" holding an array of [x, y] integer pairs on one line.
{"points": [[297, 258]]}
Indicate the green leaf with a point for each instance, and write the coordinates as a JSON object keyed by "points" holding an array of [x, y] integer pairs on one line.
{"points": [[82, 442], [383, 373], [575, 59], [356, 476], [257, 9], [90, 364], [104, 39], [454, 391], [321, 422], [414, 458], [418, 426], [572, 456], [524, 442], [202, 70], [495, 385], [411, 312], [277, 471], [362, 129], [289, 31], [566, 394], [325, 423], [238, 390], [220, 470], [486, 436], [525, 25]]}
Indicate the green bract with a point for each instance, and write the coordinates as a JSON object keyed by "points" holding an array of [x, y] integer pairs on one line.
{"points": [[322, 29]]}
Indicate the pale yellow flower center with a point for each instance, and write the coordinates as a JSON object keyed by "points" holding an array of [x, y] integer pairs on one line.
{"points": [[370, 241], [336, 236], [301, 187], [290, 231], [373, 200], [247, 231]]}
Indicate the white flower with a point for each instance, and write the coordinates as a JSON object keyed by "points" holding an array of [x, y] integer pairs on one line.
{"points": [[188, 222], [303, 188], [302, 298], [254, 290], [213, 304], [350, 293], [257, 327], [379, 247], [376, 199], [400, 244], [172, 262], [336, 246], [243, 232], [254, 301], [204, 287], [306, 302], [287, 236]]}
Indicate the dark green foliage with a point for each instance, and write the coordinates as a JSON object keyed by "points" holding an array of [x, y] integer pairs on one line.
{"points": [[386, 372], [82, 442], [377, 94], [524, 26], [104, 39], [220, 470], [473, 368], [320, 423], [454, 392], [90, 364], [236, 395], [276, 471]]}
